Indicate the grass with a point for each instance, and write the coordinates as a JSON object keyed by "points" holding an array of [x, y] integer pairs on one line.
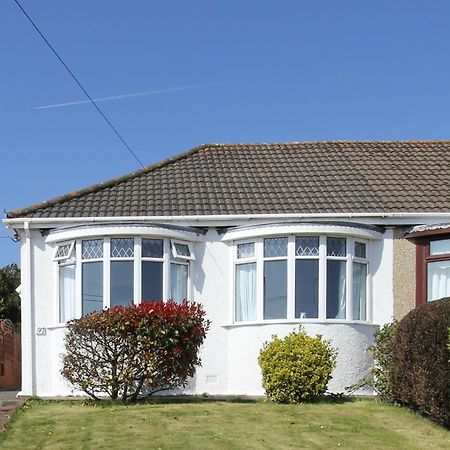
{"points": [[359, 424]]}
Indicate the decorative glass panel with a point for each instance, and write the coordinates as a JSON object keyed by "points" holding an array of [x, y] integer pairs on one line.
{"points": [[275, 289], [306, 288], [246, 291], [438, 280], [246, 250], [440, 247], [121, 283], [92, 287], [359, 291], [93, 249], [307, 246], [152, 280], [178, 282], [274, 247], [360, 249], [122, 247], [152, 248], [63, 251], [66, 293], [336, 246], [336, 289], [182, 249]]}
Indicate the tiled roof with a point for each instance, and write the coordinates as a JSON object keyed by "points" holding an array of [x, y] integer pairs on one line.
{"points": [[312, 177]]}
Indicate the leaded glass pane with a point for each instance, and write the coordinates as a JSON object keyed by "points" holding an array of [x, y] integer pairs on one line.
{"points": [[360, 249], [246, 250], [275, 247], [63, 251], [92, 249], [307, 246], [122, 247], [152, 248], [336, 246], [182, 249]]}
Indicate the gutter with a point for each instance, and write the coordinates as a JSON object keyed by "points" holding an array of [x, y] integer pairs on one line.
{"points": [[223, 217]]}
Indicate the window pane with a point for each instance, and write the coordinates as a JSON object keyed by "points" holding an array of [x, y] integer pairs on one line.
{"points": [[182, 249], [307, 246], [121, 283], [440, 247], [122, 247], [359, 291], [275, 289], [360, 249], [336, 246], [306, 288], [274, 247], [246, 250], [66, 293], [152, 280], [335, 289], [92, 287], [152, 248], [246, 291], [92, 249], [438, 280], [178, 282]]}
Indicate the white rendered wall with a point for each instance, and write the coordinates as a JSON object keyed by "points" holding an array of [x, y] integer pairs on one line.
{"points": [[382, 268], [230, 352]]}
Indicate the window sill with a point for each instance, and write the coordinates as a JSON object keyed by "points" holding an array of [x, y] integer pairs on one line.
{"points": [[57, 326], [297, 322]]}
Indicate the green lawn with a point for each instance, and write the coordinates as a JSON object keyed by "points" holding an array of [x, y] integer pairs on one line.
{"points": [[360, 424]]}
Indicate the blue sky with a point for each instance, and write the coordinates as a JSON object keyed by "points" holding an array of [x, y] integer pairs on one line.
{"points": [[270, 71]]}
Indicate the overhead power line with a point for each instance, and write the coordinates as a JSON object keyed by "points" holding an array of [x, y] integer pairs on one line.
{"points": [[80, 85]]}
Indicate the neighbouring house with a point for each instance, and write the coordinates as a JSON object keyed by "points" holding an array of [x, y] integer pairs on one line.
{"points": [[337, 236]]}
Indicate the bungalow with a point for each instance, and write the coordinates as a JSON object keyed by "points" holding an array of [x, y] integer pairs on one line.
{"points": [[337, 236]]}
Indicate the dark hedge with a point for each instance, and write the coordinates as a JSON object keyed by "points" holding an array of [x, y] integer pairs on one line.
{"points": [[421, 368]]}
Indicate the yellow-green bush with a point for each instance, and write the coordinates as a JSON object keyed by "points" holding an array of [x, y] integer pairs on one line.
{"points": [[296, 368]]}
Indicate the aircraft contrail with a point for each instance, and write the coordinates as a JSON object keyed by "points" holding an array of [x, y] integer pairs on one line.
{"points": [[136, 94]]}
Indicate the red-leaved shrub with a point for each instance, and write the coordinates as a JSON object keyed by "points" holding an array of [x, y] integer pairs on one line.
{"points": [[134, 351]]}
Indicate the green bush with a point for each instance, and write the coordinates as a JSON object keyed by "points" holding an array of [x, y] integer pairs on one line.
{"points": [[133, 351], [296, 368], [382, 370], [421, 369]]}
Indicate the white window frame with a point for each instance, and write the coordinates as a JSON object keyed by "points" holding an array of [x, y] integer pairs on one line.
{"points": [[291, 257], [78, 260]]}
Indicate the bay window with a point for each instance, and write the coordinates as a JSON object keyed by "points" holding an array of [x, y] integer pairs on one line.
{"points": [[301, 277], [112, 271]]}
